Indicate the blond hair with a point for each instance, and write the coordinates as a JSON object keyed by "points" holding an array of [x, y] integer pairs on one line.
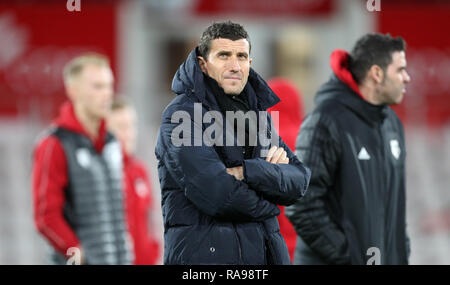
{"points": [[75, 66]]}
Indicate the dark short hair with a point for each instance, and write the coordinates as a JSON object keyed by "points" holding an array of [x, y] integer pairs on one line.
{"points": [[224, 30], [373, 49]]}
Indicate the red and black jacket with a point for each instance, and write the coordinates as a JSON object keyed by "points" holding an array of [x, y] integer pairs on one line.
{"points": [[50, 178]]}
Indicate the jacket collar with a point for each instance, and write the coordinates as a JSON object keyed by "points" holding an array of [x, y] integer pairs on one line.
{"points": [[69, 121], [373, 114]]}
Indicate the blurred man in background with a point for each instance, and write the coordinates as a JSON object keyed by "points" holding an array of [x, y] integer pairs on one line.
{"points": [[354, 211], [220, 201], [138, 192], [77, 172], [290, 115]]}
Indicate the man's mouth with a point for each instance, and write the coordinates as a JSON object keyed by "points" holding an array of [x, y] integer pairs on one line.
{"points": [[233, 78]]}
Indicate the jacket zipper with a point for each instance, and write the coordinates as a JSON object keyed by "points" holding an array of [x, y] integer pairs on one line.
{"points": [[234, 226], [385, 184]]}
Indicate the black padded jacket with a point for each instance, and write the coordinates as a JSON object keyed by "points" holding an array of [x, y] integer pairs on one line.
{"points": [[354, 211]]}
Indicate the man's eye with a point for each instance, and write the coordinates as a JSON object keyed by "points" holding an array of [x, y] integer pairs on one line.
{"points": [[223, 55]]}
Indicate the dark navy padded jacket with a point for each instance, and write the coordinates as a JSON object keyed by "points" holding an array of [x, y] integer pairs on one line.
{"points": [[209, 216]]}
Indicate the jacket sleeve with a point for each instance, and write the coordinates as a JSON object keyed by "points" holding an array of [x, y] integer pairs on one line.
{"points": [[199, 171], [49, 178], [281, 184], [318, 147]]}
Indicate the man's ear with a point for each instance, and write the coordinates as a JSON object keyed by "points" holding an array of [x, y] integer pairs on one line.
{"points": [[202, 63], [250, 61], [376, 73]]}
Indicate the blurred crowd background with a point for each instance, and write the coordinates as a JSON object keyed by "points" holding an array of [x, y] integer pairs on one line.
{"points": [[147, 40]]}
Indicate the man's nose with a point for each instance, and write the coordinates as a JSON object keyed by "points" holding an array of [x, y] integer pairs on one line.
{"points": [[406, 77], [234, 65]]}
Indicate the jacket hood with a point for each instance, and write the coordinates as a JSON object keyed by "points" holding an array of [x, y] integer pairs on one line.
{"points": [[339, 62], [291, 103], [189, 80], [343, 88], [68, 120]]}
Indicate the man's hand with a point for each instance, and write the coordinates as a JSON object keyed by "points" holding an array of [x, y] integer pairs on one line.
{"points": [[277, 155], [237, 172]]}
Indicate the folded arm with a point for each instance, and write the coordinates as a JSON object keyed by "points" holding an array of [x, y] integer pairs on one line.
{"points": [[199, 171]]}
